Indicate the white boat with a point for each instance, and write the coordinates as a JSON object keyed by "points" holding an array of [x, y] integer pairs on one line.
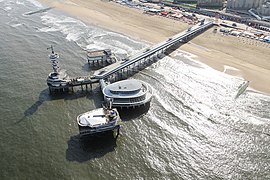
{"points": [[98, 121]]}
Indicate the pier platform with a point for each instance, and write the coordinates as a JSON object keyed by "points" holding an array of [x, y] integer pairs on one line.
{"points": [[85, 82]]}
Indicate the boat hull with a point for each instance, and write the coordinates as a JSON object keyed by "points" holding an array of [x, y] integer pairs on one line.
{"points": [[98, 121], [86, 132]]}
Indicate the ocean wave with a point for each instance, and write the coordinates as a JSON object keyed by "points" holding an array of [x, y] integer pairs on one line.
{"points": [[35, 3], [20, 3], [200, 81], [88, 37], [7, 8], [16, 25], [70, 27], [94, 46]]}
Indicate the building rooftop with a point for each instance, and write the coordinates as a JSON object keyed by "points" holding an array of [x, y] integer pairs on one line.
{"points": [[125, 89], [99, 53], [126, 86]]}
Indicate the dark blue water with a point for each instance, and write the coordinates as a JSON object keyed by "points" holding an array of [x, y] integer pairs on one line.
{"points": [[193, 129]]}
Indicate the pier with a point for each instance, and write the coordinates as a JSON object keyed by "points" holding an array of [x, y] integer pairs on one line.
{"points": [[82, 82], [59, 81], [122, 70]]}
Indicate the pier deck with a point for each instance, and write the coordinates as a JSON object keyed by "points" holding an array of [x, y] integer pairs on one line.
{"points": [[76, 81], [145, 56]]}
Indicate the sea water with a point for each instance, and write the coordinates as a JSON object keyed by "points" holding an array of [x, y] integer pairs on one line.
{"points": [[193, 129]]}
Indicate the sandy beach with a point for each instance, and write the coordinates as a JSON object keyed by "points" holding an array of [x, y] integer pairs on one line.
{"points": [[249, 57]]}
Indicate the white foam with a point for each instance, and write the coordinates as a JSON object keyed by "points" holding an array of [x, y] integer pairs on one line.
{"points": [[36, 3], [123, 47], [73, 36], [89, 37], [71, 3], [48, 29], [255, 121], [128, 39], [186, 54], [19, 3], [229, 68], [72, 28], [115, 46], [93, 47], [8, 8], [171, 129], [16, 25]]}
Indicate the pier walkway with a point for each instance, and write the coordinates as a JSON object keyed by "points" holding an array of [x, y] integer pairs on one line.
{"points": [[121, 69], [74, 82], [116, 71]]}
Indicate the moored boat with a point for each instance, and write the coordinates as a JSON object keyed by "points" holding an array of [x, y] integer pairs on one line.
{"points": [[98, 121]]}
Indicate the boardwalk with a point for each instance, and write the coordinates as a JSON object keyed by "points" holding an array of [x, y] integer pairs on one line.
{"points": [[152, 52]]}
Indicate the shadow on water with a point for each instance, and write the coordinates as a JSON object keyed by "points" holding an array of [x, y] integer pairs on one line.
{"points": [[130, 114], [82, 150], [88, 68], [46, 96], [43, 96]]}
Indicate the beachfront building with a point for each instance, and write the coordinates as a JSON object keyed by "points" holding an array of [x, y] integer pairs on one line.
{"points": [[244, 4], [202, 3], [261, 6], [185, 1], [210, 3], [154, 1], [264, 9]]}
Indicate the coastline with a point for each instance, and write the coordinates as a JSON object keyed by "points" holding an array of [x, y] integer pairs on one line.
{"points": [[250, 59]]}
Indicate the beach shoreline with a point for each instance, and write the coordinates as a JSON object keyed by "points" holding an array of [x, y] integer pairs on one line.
{"points": [[217, 51]]}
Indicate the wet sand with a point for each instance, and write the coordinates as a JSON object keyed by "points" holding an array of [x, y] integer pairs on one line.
{"points": [[250, 57]]}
